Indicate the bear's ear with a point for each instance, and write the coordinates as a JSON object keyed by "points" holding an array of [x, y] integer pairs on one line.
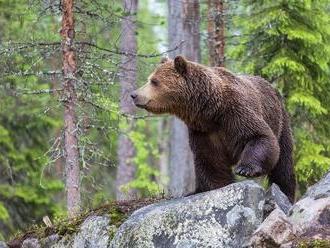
{"points": [[164, 59], [181, 65]]}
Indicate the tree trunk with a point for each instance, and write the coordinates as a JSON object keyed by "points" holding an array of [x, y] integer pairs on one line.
{"points": [[127, 76], [216, 32], [72, 168], [191, 36], [183, 19]]}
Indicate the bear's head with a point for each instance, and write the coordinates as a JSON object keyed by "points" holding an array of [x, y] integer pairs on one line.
{"points": [[185, 89], [167, 89]]}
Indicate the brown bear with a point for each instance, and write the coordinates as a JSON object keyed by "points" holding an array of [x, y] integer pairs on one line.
{"points": [[232, 121]]}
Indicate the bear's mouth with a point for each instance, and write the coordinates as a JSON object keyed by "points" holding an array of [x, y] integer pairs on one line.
{"points": [[151, 108], [139, 105]]}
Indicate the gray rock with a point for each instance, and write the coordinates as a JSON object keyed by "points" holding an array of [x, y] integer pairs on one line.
{"points": [[3, 244], [31, 243], [313, 210], [93, 233], [226, 217], [274, 231], [311, 214], [275, 198], [49, 241], [320, 189]]}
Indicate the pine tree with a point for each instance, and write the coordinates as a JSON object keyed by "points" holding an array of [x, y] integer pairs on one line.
{"points": [[72, 167]]}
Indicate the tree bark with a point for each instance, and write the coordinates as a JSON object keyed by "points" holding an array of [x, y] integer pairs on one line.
{"points": [[72, 168], [183, 19], [191, 33], [216, 32], [127, 76]]}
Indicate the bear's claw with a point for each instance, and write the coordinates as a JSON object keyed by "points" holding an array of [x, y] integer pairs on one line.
{"points": [[248, 170]]}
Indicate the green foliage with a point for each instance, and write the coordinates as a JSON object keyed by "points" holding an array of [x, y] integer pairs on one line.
{"points": [[27, 127], [288, 42], [144, 180], [4, 215]]}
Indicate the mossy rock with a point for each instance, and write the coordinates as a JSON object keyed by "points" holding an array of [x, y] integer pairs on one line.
{"points": [[116, 212], [317, 243]]}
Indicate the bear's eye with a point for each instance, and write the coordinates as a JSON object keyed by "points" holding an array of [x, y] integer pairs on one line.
{"points": [[154, 82]]}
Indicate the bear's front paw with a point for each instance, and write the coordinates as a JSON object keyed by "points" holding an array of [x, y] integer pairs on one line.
{"points": [[248, 170]]}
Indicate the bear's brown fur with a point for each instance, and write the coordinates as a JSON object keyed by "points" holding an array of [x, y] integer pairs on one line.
{"points": [[232, 121]]}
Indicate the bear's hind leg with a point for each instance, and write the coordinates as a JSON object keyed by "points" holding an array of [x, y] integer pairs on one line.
{"points": [[283, 173]]}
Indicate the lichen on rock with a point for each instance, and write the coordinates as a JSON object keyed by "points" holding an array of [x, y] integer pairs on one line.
{"points": [[224, 217]]}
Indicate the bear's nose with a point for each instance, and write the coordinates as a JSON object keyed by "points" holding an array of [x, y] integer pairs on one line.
{"points": [[133, 95]]}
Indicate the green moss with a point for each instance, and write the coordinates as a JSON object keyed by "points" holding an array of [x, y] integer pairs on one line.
{"points": [[317, 243], [112, 231], [117, 216]]}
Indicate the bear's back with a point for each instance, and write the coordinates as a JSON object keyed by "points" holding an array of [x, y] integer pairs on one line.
{"points": [[269, 101], [258, 95]]}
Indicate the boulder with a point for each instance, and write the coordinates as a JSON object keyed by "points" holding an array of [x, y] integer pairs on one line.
{"points": [[320, 189], [276, 199], [274, 231], [225, 217], [93, 233], [307, 223], [31, 243], [313, 210]]}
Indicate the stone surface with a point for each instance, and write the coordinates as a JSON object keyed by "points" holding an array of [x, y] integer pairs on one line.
{"points": [[313, 210], [320, 189], [93, 233], [49, 241], [31, 243], [307, 222], [3, 244], [220, 218], [276, 199], [274, 231]]}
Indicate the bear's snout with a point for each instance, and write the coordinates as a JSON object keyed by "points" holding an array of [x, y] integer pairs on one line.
{"points": [[138, 100], [133, 95]]}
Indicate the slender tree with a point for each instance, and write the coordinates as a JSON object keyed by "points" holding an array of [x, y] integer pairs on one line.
{"points": [[70, 116], [183, 19], [128, 75], [216, 32]]}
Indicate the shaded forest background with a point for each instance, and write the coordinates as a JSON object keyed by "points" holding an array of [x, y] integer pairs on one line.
{"points": [[55, 76]]}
